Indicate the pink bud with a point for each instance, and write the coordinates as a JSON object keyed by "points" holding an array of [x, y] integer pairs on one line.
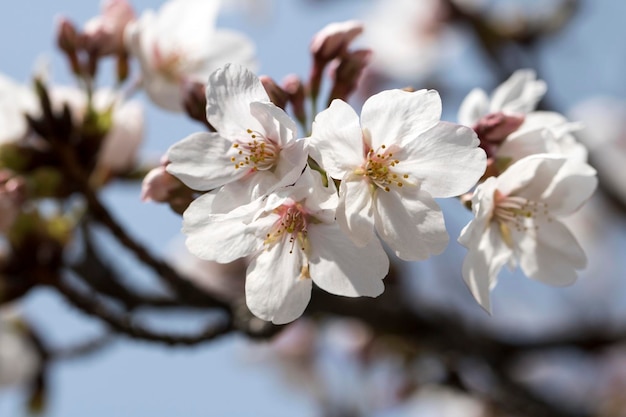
{"points": [[329, 43], [194, 101], [158, 185], [292, 85], [333, 40], [348, 72], [495, 127], [67, 36], [104, 34], [277, 95]]}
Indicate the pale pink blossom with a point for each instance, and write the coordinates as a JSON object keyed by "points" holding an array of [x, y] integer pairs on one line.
{"points": [[254, 150], [181, 43], [292, 240], [392, 163], [517, 221]]}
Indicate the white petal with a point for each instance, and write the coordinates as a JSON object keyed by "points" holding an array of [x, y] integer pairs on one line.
{"points": [[229, 92], [473, 107], [226, 47], [336, 142], [519, 94], [188, 21], [339, 267], [201, 162], [119, 150], [542, 132], [551, 254], [411, 223], [520, 175], [355, 213], [563, 184], [319, 201], [276, 290], [395, 115], [486, 256], [221, 238], [162, 91], [277, 125], [445, 159], [482, 207], [571, 187]]}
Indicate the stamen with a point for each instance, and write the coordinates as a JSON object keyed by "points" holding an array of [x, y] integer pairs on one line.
{"points": [[380, 168], [519, 213], [259, 152]]}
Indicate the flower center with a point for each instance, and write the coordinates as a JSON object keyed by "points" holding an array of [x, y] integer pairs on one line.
{"points": [[257, 153], [380, 167], [518, 213], [293, 222]]}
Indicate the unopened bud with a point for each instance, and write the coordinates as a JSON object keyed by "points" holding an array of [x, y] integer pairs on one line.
{"points": [[495, 127], [161, 186], [329, 43], [68, 41], [104, 34], [292, 85], [158, 185], [333, 40], [348, 72], [277, 95], [194, 102]]}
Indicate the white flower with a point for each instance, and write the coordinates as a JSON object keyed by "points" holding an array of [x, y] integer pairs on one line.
{"points": [[15, 100], [409, 38], [254, 150], [392, 164], [180, 43], [517, 220], [19, 359], [292, 240], [517, 95]]}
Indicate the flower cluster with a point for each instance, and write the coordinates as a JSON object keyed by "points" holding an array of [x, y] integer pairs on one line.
{"points": [[271, 196], [316, 208], [537, 174]]}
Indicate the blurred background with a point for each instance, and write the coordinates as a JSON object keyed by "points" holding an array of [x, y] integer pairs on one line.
{"points": [[339, 366]]}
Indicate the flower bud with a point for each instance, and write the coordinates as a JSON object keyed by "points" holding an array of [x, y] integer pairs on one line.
{"points": [[333, 40], [194, 102], [495, 127], [158, 185], [68, 41], [348, 72], [277, 95], [329, 43], [104, 34], [292, 85]]}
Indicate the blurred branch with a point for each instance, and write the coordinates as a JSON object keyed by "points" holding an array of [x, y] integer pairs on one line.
{"points": [[124, 323]]}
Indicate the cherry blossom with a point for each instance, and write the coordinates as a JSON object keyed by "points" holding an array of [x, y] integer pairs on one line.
{"points": [[180, 43], [517, 221], [517, 95], [392, 163], [254, 150], [293, 241]]}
